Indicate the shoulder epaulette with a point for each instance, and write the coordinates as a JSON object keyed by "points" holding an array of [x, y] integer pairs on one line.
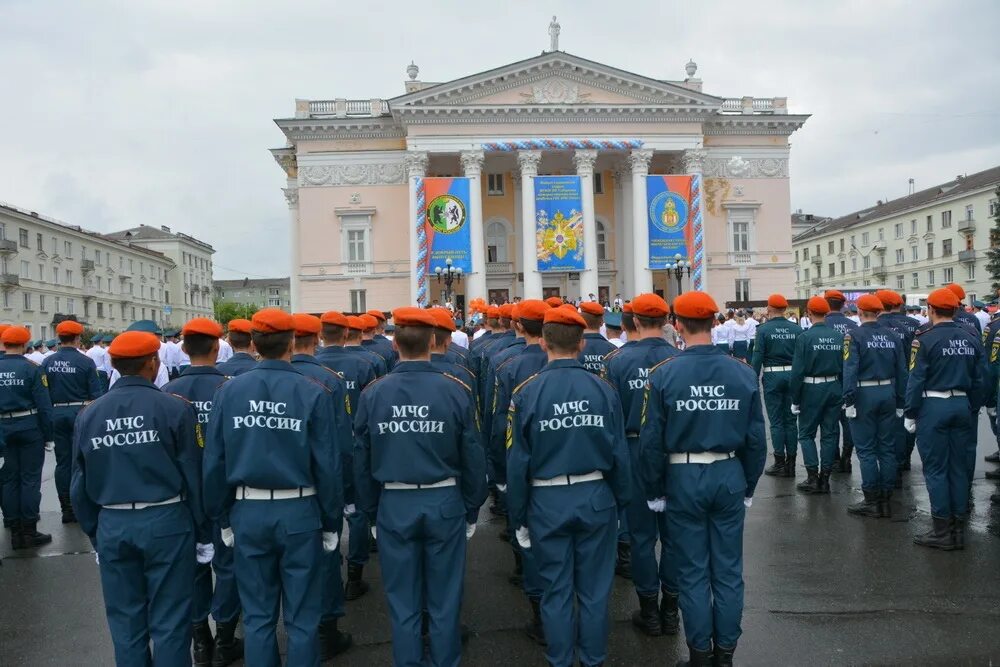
{"points": [[452, 377], [520, 386], [30, 361], [670, 358], [183, 398], [612, 354], [318, 384], [374, 382]]}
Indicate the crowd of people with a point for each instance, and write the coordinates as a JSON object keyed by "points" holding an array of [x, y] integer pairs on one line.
{"points": [[215, 468]]}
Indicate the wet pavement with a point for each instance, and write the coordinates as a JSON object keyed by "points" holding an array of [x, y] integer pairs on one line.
{"points": [[822, 588]]}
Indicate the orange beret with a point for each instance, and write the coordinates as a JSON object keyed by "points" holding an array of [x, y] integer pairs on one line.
{"points": [[956, 289], [306, 324], [354, 322], [889, 298], [69, 328], [506, 311], [334, 318], [134, 344], [413, 317], [777, 301], [869, 303], [939, 298], [554, 301], [368, 321], [492, 313], [442, 319], [818, 305], [835, 294], [515, 312], [272, 320], [15, 336], [533, 309], [695, 306], [377, 314], [627, 308], [650, 305], [241, 326], [202, 326], [592, 308], [4, 327], [564, 315]]}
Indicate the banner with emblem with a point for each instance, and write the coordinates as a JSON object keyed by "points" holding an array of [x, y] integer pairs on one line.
{"points": [[559, 223], [446, 223], [668, 204]]}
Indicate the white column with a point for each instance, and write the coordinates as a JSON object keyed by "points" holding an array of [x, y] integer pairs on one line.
{"points": [[642, 276], [528, 161], [294, 240], [472, 163], [514, 252], [589, 279], [693, 163], [626, 260], [416, 167]]}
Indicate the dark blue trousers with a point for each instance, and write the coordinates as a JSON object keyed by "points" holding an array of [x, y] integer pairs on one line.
{"points": [[531, 578], [944, 440], [573, 534], [421, 548], [278, 553], [22, 470], [705, 515], [224, 601], [645, 528], [820, 410], [778, 402], [874, 432], [358, 538], [62, 430], [147, 564], [333, 586]]}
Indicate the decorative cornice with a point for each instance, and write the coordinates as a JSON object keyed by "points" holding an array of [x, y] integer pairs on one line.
{"points": [[740, 167], [285, 157], [472, 162], [385, 173], [297, 129], [291, 197], [753, 125]]}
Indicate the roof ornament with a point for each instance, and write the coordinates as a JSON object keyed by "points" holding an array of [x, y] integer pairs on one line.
{"points": [[412, 71], [691, 68], [554, 29]]}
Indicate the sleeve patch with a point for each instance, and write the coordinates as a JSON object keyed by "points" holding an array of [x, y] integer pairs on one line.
{"points": [[914, 348], [847, 347]]}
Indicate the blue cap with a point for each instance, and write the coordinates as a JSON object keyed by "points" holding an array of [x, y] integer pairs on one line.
{"points": [[52, 342], [149, 326], [613, 320], [978, 304], [853, 308]]}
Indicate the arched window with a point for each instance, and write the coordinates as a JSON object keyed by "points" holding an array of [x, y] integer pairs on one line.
{"points": [[496, 242], [602, 241]]}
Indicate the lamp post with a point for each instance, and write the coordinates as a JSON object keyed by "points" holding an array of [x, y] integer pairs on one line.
{"points": [[450, 275], [680, 267]]}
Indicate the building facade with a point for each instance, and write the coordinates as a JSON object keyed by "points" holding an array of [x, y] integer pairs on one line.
{"points": [[190, 283], [353, 169], [259, 292], [913, 244], [49, 268]]}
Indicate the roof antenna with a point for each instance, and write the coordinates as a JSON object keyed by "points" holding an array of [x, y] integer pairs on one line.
{"points": [[912, 186]]}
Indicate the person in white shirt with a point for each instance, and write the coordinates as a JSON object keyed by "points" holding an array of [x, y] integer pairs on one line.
{"points": [[854, 315], [460, 338], [38, 354], [742, 332], [981, 314], [805, 322], [161, 377], [225, 351], [722, 335]]}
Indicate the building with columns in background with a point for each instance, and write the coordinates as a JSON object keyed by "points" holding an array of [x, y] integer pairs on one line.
{"points": [[355, 169]]}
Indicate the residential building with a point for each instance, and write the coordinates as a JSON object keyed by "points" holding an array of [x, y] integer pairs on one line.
{"points": [[259, 292]]}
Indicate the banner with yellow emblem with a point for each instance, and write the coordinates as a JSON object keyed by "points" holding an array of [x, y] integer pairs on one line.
{"points": [[559, 223]]}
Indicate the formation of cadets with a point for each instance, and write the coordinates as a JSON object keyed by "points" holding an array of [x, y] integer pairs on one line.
{"points": [[216, 476]]}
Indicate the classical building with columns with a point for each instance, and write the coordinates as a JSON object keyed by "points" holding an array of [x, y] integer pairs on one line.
{"points": [[353, 171]]}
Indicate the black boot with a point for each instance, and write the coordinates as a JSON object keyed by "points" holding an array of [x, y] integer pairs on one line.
{"points": [[331, 640], [670, 618], [811, 483], [789, 466], [30, 537], [697, 658], [535, 629], [228, 647], [623, 565], [870, 506], [355, 586], [958, 531], [8, 523], [723, 657], [899, 479], [778, 468], [844, 464], [517, 578], [824, 482], [993, 474], [16, 539], [995, 498], [202, 644], [68, 516], [992, 458], [885, 505], [647, 618], [938, 537]]}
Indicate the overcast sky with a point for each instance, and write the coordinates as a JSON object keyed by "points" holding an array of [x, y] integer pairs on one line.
{"points": [[160, 112]]}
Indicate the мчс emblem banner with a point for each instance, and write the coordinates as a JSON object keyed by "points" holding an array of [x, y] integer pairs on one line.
{"points": [[669, 206], [447, 223], [558, 223]]}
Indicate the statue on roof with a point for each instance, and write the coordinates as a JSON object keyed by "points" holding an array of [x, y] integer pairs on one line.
{"points": [[554, 29]]}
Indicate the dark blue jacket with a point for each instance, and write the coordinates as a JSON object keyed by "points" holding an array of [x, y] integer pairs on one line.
{"points": [[509, 375], [72, 376], [457, 354], [873, 352], [628, 372], [356, 370], [371, 355], [444, 363], [774, 343], [198, 385], [239, 363], [136, 444], [385, 349], [838, 321], [596, 347], [819, 352], [947, 356], [564, 421], [24, 386]]}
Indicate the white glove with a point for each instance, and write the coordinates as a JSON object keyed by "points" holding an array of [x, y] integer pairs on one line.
{"points": [[992, 412], [851, 412], [329, 541], [349, 510], [97, 558], [204, 553], [748, 502], [374, 533], [1, 463], [502, 488], [658, 505], [522, 537], [470, 530], [910, 425], [49, 446], [227, 537], [899, 413], [795, 409]]}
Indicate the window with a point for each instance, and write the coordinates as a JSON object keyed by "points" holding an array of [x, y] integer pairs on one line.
{"points": [[69, 277], [741, 226], [994, 206], [67, 249], [916, 280], [841, 245], [805, 274], [58, 303], [829, 247], [830, 269], [899, 256], [969, 242], [55, 275], [142, 313], [133, 312], [22, 238], [55, 245], [852, 241], [930, 278], [867, 262], [602, 241], [25, 269], [356, 245], [742, 289], [969, 210], [805, 253], [930, 251], [131, 267], [598, 183], [38, 244], [796, 256], [741, 236], [864, 239], [358, 303], [930, 223], [100, 309], [41, 303], [854, 264], [913, 226], [142, 292], [817, 250], [899, 282], [494, 185], [842, 265], [274, 302], [27, 301], [945, 219], [899, 230], [914, 253], [970, 269], [881, 233], [948, 275], [71, 306], [946, 248], [121, 266]]}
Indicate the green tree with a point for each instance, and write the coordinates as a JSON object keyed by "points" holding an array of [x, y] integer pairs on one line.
{"points": [[228, 310], [993, 254]]}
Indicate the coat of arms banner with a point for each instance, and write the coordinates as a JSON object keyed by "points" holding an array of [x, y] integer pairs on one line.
{"points": [[668, 201], [559, 223]]}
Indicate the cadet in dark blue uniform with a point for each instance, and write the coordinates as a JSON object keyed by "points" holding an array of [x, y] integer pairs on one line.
{"points": [[567, 473], [704, 448], [990, 345], [817, 395], [26, 420], [73, 382], [962, 316], [947, 382], [874, 389], [361, 329], [421, 472], [378, 342], [198, 383], [843, 324], [627, 371], [440, 343], [773, 351], [137, 491], [242, 359], [498, 351], [905, 328], [595, 345], [271, 471]]}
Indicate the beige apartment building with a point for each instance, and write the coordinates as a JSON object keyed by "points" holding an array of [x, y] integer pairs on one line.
{"points": [[913, 244], [259, 292]]}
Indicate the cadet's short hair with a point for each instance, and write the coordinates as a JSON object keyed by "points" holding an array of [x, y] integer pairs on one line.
{"points": [[696, 326], [943, 312], [531, 327], [333, 333], [239, 340], [835, 304], [593, 321], [130, 365], [493, 322], [354, 334], [413, 341], [628, 322], [272, 345], [562, 338], [65, 339], [441, 336], [197, 345], [649, 322], [308, 339]]}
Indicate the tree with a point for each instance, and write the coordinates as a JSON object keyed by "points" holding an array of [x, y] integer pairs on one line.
{"points": [[993, 263], [228, 310]]}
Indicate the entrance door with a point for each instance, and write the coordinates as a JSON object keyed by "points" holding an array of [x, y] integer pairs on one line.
{"points": [[550, 291], [499, 296], [604, 295]]}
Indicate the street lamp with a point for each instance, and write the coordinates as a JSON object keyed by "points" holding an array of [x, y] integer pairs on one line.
{"points": [[680, 267], [450, 275]]}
